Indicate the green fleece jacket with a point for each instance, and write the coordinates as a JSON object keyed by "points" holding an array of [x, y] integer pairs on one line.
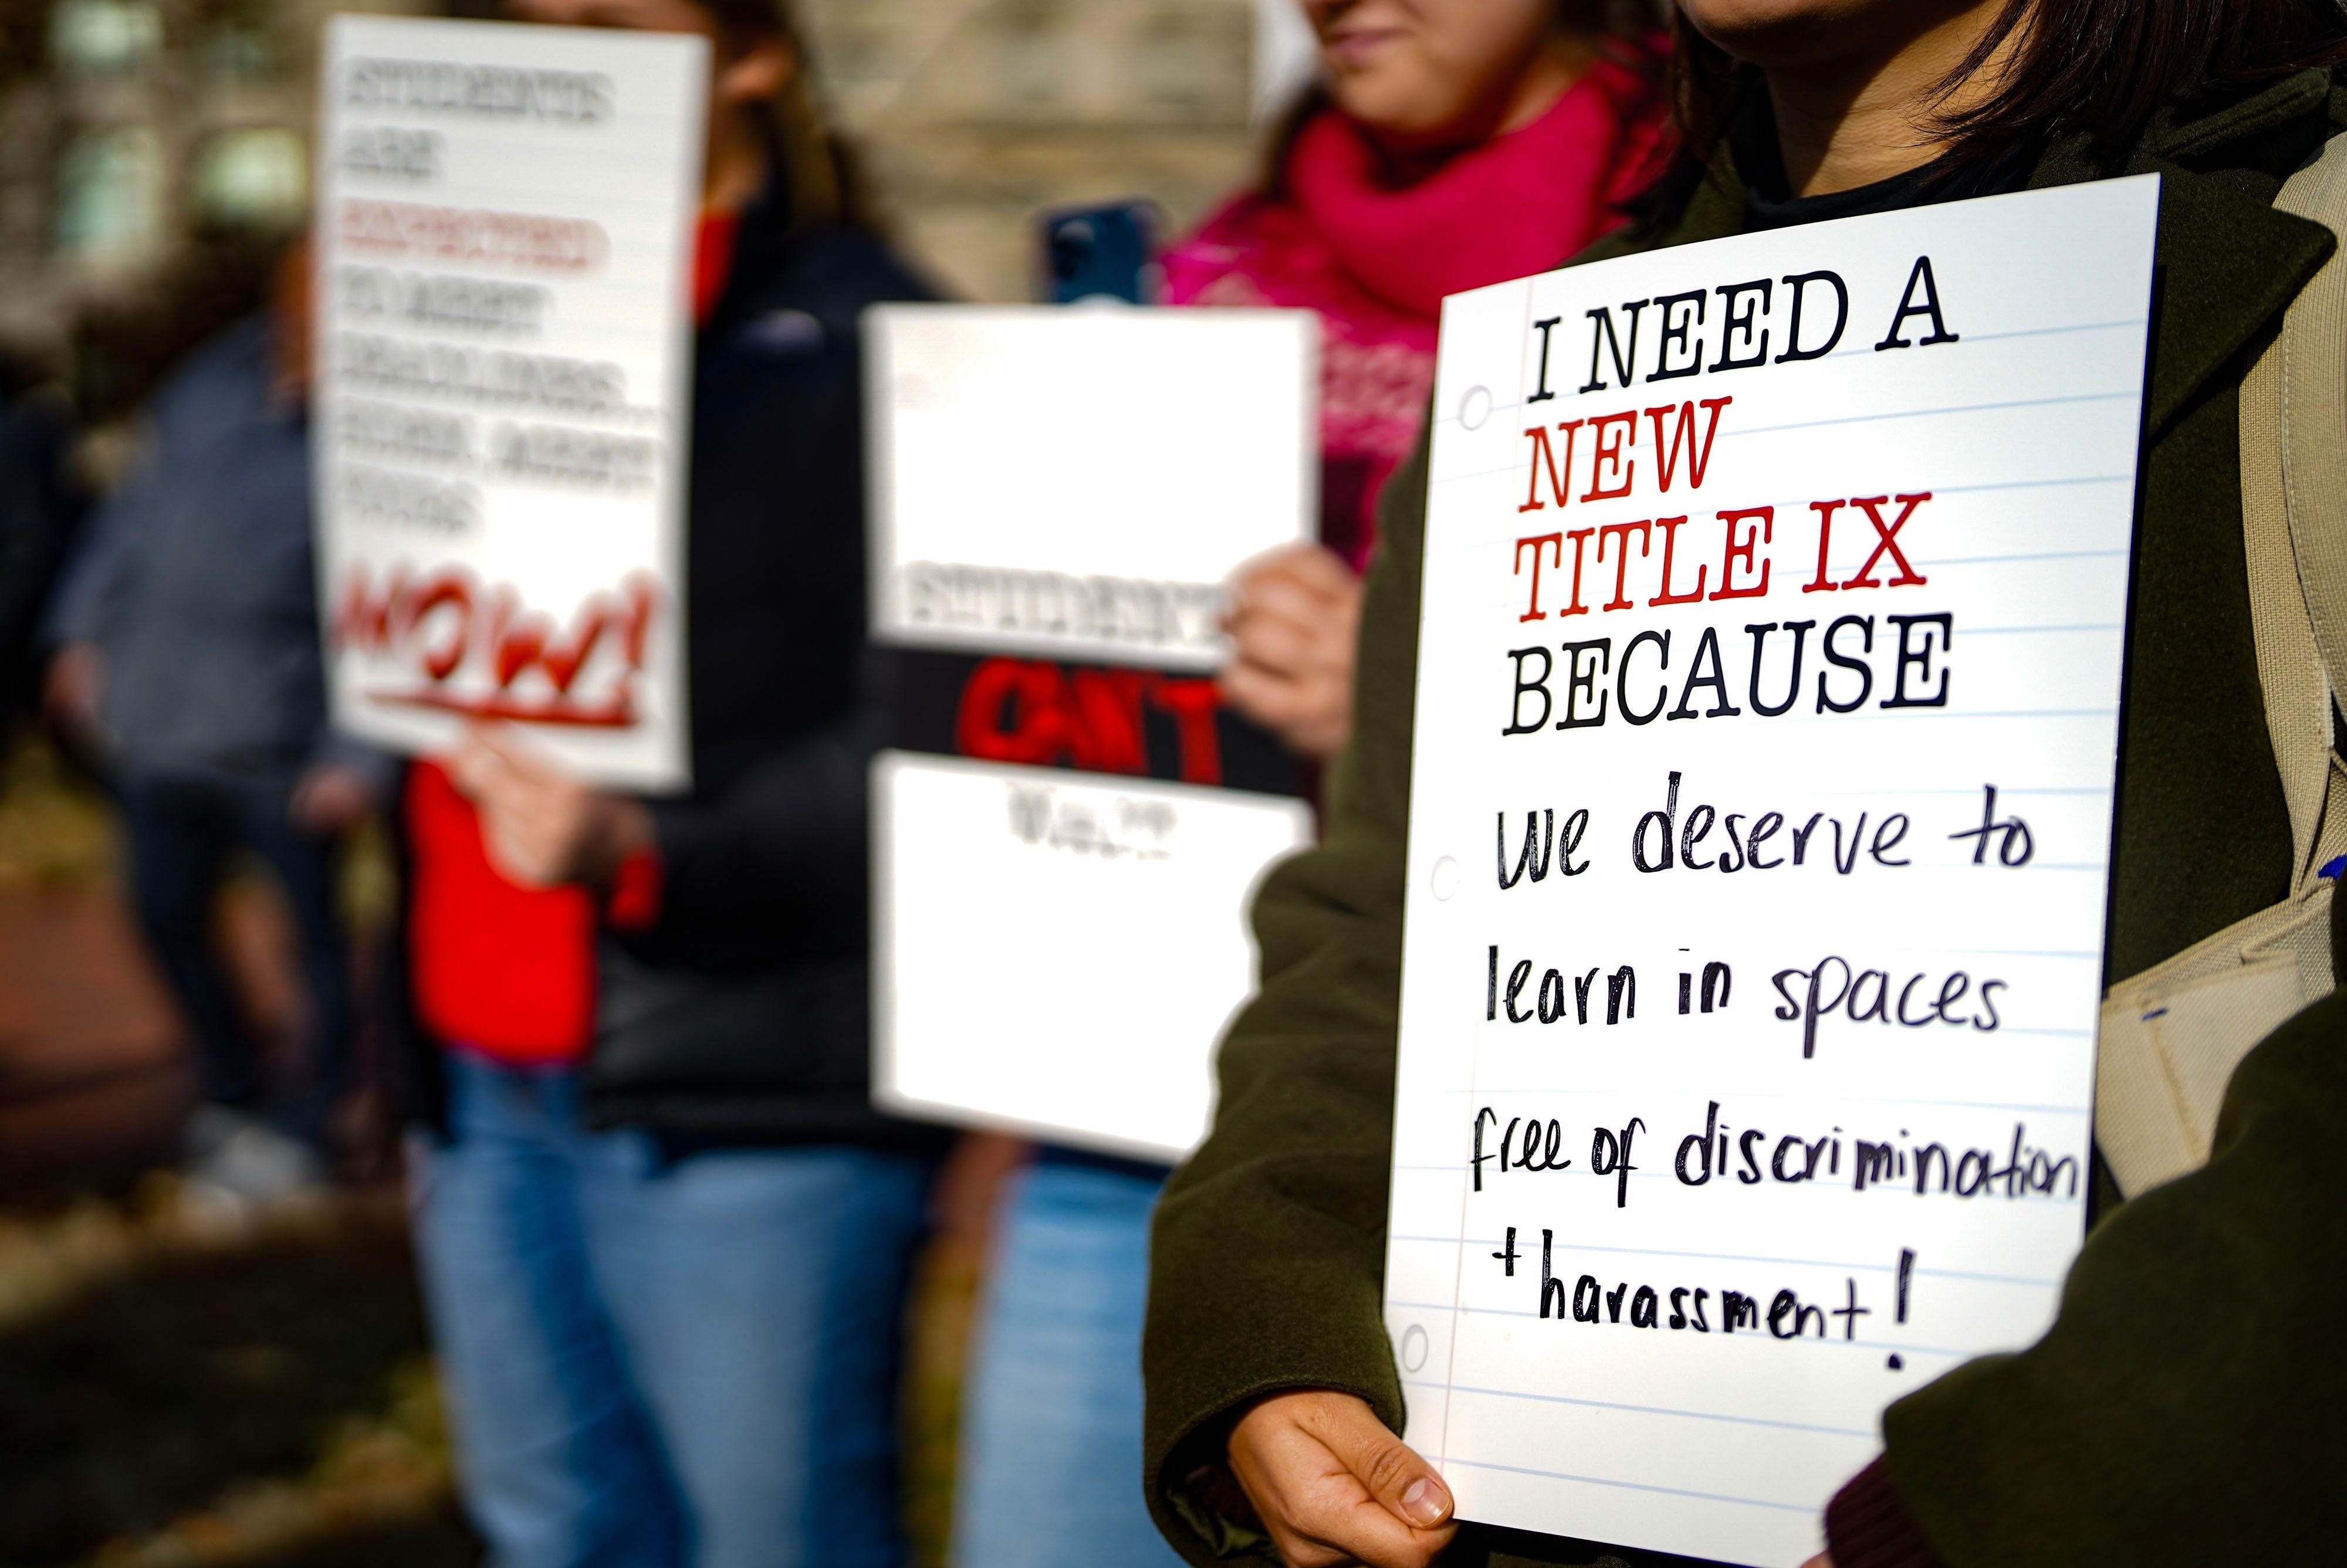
{"points": [[2189, 1405]]}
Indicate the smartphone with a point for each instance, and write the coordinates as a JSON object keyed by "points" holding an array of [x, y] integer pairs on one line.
{"points": [[1108, 252]]}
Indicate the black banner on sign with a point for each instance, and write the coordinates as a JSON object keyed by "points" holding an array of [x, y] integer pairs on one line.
{"points": [[1093, 718]]}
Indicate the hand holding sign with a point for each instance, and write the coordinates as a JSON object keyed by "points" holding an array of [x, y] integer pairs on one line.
{"points": [[1332, 1485], [544, 827], [1294, 617]]}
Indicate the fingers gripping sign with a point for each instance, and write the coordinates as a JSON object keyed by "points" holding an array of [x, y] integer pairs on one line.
{"points": [[542, 824], [1294, 617], [1333, 1486]]}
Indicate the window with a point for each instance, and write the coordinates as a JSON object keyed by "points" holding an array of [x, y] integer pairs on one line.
{"points": [[104, 37], [256, 176], [235, 51], [110, 194]]}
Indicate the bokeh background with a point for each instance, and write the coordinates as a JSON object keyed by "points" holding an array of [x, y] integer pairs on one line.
{"points": [[185, 1385]]}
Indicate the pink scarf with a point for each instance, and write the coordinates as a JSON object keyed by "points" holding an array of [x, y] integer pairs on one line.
{"points": [[1376, 260]]}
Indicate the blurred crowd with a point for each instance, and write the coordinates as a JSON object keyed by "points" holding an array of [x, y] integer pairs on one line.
{"points": [[622, 1061]]}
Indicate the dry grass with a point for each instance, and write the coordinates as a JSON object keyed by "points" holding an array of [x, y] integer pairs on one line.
{"points": [[184, 1388], [180, 1389], [55, 830], [944, 1302]]}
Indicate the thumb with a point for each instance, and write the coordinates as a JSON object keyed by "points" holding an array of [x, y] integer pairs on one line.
{"points": [[1392, 1472]]}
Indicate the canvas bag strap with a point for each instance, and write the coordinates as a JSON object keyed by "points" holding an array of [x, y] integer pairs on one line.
{"points": [[2294, 520], [2172, 1036]]}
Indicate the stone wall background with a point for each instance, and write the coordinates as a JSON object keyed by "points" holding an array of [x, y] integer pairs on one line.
{"points": [[150, 149]]}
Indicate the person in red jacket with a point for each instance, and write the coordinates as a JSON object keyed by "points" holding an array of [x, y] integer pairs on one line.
{"points": [[664, 1235]]}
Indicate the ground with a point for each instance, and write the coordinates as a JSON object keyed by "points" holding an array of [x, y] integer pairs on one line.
{"points": [[181, 1392], [188, 1388]]}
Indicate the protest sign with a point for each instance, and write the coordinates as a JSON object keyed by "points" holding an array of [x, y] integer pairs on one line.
{"points": [[503, 306], [1062, 952], [1774, 604], [1069, 824], [1077, 482]]}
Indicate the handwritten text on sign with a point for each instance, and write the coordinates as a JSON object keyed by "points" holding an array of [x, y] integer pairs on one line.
{"points": [[1769, 680], [502, 352]]}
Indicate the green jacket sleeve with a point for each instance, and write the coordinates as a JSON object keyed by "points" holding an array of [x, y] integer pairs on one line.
{"points": [[2189, 1405], [1269, 1245]]}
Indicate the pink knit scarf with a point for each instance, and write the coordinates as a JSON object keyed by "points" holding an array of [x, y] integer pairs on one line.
{"points": [[1519, 203]]}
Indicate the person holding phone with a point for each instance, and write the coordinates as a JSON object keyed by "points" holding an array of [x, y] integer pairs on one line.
{"points": [[1531, 117], [664, 1235], [2183, 1409]]}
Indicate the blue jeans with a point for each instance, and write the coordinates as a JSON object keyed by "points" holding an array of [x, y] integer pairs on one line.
{"points": [[664, 1362], [1051, 1447]]}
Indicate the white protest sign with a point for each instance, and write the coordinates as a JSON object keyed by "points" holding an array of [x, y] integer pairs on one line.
{"points": [[503, 347], [1078, 481], [1775, 597], [1059, 951], [1061, 891]]}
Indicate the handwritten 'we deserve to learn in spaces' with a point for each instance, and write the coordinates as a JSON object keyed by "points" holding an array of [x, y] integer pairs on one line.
{"points": [[1770, 650]]}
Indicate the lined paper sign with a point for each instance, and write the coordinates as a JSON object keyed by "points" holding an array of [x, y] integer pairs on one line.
{"points": [[1775, 598]]}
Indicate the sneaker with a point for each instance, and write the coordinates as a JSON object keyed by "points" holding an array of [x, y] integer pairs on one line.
{"points": [[236, 1159]]}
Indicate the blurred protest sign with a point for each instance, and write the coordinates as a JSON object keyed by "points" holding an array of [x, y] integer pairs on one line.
{"points": [[1068, 829], [504, 292], [1747, 1085]]}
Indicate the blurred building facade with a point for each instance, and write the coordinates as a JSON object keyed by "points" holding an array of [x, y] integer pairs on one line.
{"points": [[151, 153], [149, 148], [974, 115]]}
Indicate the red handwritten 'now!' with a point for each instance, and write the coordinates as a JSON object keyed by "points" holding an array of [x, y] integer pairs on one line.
{"points": [[434, 627]]}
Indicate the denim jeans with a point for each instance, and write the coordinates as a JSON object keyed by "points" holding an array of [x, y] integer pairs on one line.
{"points": [[1051, 1447], [664, 1362], [181, 832]]}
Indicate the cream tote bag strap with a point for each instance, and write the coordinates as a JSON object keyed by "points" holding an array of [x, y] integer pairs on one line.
{"points": [[2172, 1036]]}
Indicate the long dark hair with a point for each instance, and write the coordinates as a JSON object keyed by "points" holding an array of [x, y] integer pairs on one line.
{"points": [[818, 167], [2101, 69]]}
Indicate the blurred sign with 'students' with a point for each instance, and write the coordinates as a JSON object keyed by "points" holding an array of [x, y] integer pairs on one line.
{"points": [[1070, 824], [504, 254]]}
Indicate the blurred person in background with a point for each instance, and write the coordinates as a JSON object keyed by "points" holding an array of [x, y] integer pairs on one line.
{"points": [[1449, 143], [665, 1239], [184, 657], [41, 507]]}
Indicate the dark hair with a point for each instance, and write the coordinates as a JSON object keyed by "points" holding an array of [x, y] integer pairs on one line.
{"points": [[819, 169], [1616, 30], [2101, 69]]}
